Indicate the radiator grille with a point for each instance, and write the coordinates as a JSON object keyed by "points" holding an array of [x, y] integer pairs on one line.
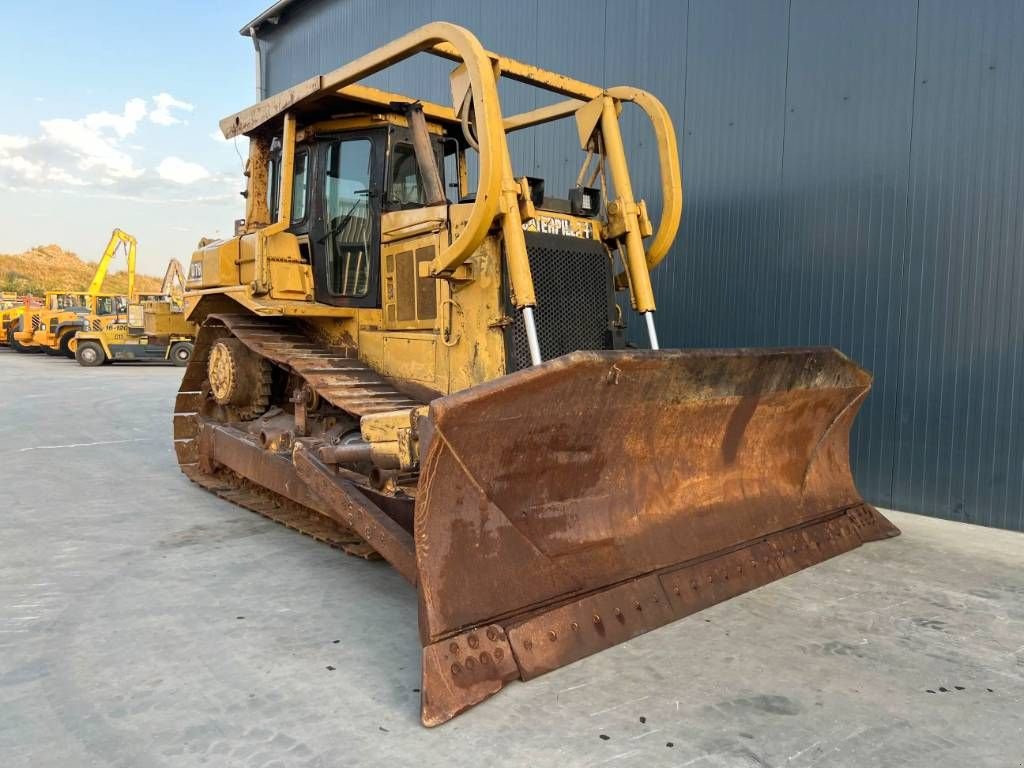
{"points": [[572, 278]]}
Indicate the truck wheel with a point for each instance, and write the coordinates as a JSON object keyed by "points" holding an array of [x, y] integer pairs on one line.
{"points": [[181, 353], [89, 354], [16, 345], [65, 345]]}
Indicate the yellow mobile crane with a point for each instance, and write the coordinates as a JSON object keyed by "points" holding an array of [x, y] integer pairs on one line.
{"points": [[52, 328], [154, 330], [412, 351]]}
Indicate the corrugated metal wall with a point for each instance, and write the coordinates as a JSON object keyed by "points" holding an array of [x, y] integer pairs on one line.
{"points": [[853, 173]]}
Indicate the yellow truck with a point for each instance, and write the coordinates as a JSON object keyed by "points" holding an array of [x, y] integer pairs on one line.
{"points": [[155, 331]]}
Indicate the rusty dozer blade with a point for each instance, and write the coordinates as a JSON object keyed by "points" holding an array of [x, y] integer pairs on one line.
{"points": [[574, 505]]}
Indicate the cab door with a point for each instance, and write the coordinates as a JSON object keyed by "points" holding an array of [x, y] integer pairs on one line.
{"points": [[345, 228]]}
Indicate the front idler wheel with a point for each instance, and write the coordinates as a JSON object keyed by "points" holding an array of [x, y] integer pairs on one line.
{"points": [[239, 378]]}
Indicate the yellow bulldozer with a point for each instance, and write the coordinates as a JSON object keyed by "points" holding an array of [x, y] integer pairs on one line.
{"points": [[52, 327], [410, 352], [154, 329]]}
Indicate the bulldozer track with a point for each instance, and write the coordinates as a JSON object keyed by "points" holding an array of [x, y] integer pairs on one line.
{"points": [[339, 379]]}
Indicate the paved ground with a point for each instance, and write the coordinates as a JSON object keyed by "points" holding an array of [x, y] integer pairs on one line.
{"points": [[146, 623]]}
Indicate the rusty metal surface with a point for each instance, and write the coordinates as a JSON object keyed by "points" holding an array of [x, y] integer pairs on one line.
{"points": [[567, 508], [228, 462], [343, 502], [570, 632], [600, 467], [545, 639], [464, 670]]}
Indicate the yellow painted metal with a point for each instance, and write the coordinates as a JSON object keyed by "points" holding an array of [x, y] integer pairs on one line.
{"points": [[173, 284], [357, 122], [477, 245], [495, 187], [117, 238], [625, 209]]}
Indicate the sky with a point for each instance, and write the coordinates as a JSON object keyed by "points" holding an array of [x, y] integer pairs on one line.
{"points": [[109, 119]]}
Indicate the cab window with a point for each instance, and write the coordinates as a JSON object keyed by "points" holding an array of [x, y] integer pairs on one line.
{"points": [[299, 181], [405, 184], [106, 305], [347, 217], [274, 187]]}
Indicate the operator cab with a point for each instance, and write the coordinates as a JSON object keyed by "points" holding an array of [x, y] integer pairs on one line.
{"points": [[342, 184]]}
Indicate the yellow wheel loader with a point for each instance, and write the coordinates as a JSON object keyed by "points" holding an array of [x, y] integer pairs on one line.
{"points": [[410, 352], [155, 330], [51, 328], [12, 307]]}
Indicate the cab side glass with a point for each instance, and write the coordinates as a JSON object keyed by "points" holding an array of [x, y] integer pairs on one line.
{"points": [[405, 184], [347, 217], [274, 187], [299, 183]]}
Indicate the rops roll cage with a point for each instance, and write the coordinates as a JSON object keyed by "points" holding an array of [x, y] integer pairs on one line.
{"points": [[500, 197]]}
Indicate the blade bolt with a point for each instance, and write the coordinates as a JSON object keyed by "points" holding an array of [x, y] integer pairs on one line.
{"points": [[527, 643], [636, 604], [553, 635], [474, 641], [454, 648], [492, 634], [597, 619], [470, 663], [575, 627], [498, 654], [485, 658], [456, 669]]}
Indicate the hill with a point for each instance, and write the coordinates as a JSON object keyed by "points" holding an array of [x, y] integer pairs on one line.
{"points": [[50, 267]]}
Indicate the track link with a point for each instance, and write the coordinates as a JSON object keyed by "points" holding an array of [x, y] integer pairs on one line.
{"points": [[339, 379]]}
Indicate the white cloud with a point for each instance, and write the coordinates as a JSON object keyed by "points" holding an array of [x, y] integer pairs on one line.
{"points": [[66, 145], [164, 103], [9, 143], [19, 166], [181, 171], [60, 176], [99, 155], [88, 145], [123, 125]]}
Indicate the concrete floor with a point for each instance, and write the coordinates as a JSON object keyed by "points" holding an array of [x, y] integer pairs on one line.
{"points": [[144, 622]]}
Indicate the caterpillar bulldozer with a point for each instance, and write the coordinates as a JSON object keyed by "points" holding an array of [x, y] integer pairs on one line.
{"points": [[411, 353], [52, 328], [153, 330]]}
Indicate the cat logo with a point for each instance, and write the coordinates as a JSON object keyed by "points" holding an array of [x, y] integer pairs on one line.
{"points": [[551, 225]]}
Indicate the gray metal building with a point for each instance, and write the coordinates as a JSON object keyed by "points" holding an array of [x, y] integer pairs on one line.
{"points": [[853, 174]]}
